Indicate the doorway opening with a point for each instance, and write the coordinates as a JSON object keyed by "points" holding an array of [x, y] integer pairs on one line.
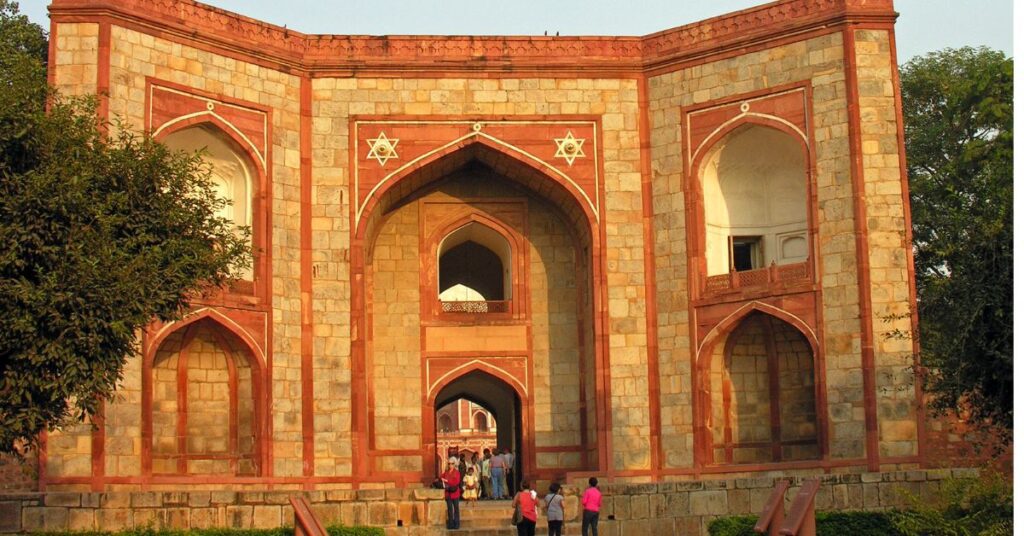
{"points": [[478, 411]]}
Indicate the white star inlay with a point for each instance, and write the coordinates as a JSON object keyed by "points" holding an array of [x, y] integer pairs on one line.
{"points": [[382, 148], [569, 147]]}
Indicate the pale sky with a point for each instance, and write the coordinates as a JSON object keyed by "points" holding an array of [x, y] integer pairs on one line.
{"points": [[923, 26]]}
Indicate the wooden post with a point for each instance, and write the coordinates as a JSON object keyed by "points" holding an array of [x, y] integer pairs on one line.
{"points": [[306, 524], [771, 516], [800, 521]]}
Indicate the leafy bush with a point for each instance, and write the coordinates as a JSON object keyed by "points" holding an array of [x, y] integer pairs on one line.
{"points": [[333, 530], [964, 506], [827, 523]]}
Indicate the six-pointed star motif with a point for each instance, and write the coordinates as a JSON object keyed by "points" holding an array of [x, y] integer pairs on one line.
{"points": [[382, 148], [569, 147]]}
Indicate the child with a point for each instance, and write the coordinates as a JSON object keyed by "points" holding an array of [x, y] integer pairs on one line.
{"points": [[471, 483]]}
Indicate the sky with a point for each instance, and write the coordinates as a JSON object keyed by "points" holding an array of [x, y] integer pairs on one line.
{"points": [[923, 26]]}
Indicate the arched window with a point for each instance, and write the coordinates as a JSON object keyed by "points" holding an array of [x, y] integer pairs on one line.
{"points": [[755, 200], [232, 172], [480, 421], [444, 423], [473, 270], [204, 394], [762, 386]]}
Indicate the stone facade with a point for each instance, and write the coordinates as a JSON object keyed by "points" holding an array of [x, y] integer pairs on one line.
{"points": [[579, 162]]}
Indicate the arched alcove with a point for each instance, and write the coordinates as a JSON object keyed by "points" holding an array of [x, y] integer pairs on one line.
{"points": [[754, 182], [232, 172], [204, 415], [762, 390]]}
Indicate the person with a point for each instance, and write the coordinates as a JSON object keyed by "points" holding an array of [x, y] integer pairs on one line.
{"points": [[497, 476], [452, 493], [527, 501], [462, 466], [485, 475], [510, 477], [553, 509], [591, 503], [470, 485]]}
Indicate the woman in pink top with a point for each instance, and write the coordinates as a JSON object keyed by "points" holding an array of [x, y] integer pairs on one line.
{"points": [[591, 503], [527, 501]]}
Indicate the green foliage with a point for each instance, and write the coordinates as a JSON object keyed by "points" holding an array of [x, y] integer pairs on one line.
{"points": [[827, 524], [333, 530], [958, 110], [964, 507], [733, 526], [99, 235]]}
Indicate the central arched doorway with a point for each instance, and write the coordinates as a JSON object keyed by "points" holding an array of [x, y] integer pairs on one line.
{"points": [[497, 264], [500, 399]]}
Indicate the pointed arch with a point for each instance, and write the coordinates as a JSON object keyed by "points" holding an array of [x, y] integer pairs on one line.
{"points": [[727, 324], [545, 177], [476, 365], [239, 141], [709, 143], [525, 168], [153, 341]]}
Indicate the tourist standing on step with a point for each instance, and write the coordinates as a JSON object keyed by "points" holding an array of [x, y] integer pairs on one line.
{"points": [[510, 477], [452, 493], [591, 503], [527, 501], [485, 475], [553, 509], [497, 476]]}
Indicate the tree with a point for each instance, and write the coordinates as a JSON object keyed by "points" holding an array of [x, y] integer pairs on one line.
{"points": [[958, 111], [99, 235]]}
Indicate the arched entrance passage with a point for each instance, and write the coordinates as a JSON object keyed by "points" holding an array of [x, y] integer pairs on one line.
{"points": [[558, 343], [498, 397]]}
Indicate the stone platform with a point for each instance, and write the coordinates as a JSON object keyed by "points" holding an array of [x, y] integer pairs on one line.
{"points": [[683, 507]]}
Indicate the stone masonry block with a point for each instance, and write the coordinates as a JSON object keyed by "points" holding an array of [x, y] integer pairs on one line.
{"points": [[238, 517], [223, 497], [709, 502], [114, 518], [266, 516], [63, 499]]}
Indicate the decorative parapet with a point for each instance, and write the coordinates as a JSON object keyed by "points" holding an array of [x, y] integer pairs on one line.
{"points": [[763, 278], [231, 32]]}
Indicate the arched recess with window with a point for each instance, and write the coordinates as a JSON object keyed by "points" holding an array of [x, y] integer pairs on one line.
{"points": [[478, 269], [754, 181], [203, 403], [237, 176], [761, 391]]}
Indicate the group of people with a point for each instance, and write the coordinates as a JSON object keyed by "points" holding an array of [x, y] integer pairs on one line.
{"points": [[461, 482], [527, 504], [487, 477]]}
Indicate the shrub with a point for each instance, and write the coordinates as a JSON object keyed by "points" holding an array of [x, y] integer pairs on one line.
{"points": [[827, 523], [963, 506]]}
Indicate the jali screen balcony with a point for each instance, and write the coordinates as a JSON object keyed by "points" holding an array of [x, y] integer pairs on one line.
{"points": [[494, 306]]}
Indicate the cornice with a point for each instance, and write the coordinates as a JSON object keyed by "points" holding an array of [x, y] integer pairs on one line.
{"points": [[321, 55]]}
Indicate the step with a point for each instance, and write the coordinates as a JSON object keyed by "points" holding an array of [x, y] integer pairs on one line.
{"points": [[574, 529]]}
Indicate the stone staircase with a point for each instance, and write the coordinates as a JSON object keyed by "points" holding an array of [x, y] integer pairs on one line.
{"points": [[493, 518]]}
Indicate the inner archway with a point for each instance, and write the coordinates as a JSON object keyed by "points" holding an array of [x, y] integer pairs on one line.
{"points": [[497, 398]]}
